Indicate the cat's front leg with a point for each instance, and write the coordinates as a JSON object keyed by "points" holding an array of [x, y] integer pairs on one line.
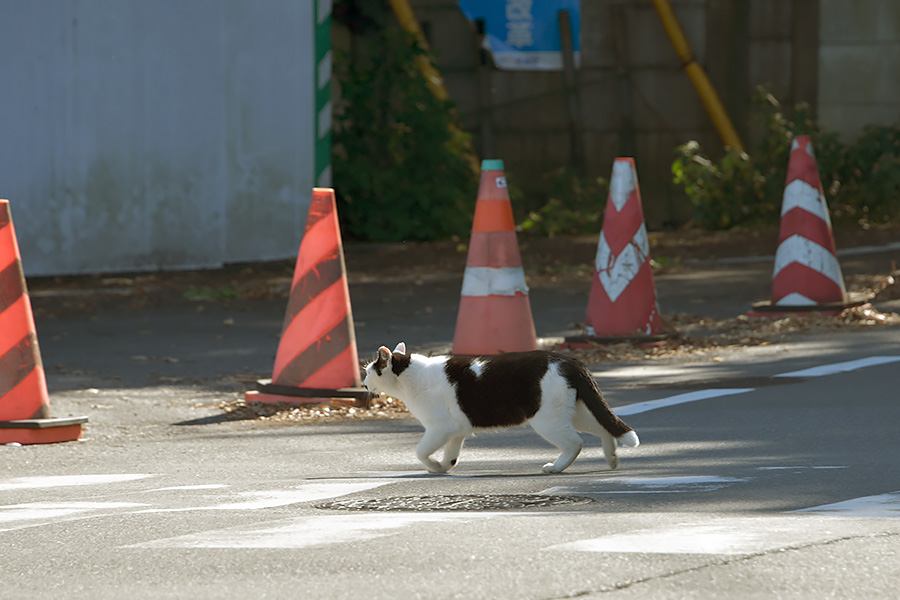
{"points": [[430, 443]]}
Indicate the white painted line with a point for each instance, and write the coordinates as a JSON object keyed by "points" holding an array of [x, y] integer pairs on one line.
{"points": [[50, 510], [798, 468], [309, 492], [882, 506], [648, 485], [642, 407], [306, 532], [841, 367], [731, 536], [31, 483]]}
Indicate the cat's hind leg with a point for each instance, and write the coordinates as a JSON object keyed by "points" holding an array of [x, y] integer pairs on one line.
{"points": [[585, 421], [430, 443], [564, 437], [451, 452]]}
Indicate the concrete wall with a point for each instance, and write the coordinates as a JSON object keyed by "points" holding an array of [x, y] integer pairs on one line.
{"points": [[168, 134], [859, 58]]}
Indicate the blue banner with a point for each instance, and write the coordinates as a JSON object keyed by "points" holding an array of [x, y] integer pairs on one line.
{"points": [[524, 34]]}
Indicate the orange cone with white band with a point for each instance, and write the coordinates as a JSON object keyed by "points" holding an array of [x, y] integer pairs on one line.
{"points": [[24, 401], [622, 301], [494, 311], [807, 275], [317, 356]]}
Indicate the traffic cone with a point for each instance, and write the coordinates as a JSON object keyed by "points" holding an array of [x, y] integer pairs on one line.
{"points": [[24, 401], [494, 311], [317, 356], [807, 275], [622, 302]]}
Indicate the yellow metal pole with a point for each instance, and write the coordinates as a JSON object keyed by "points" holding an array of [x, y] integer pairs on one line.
{"points": [[432, 76], [408, 21], [698, 77]]}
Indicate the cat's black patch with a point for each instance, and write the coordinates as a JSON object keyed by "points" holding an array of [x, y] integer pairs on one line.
{"points": [[399, 362], [508, 392], [379, 364]]}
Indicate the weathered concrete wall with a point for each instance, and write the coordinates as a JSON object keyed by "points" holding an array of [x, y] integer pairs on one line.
{"points": [[167, 134], [859, 57]]}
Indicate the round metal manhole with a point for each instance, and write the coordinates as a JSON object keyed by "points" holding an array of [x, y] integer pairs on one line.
{"points": [[469, 502]]}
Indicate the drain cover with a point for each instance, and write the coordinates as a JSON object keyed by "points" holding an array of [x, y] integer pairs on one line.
{"points": [[471, 502]]}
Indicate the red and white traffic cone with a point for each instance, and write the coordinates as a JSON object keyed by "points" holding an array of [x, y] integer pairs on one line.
{"points": [[807, 275], [494, 311], [622, 302], [317, 356], [24, 401]]}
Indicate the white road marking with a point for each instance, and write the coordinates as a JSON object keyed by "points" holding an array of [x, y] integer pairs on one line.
{"points": [[31, 483], [882, 506], [732, 536], [309, 492], [306, 532], [50, 510], [798, 468], [648, 485], [211, 486], [642, 407], [841, 367]]}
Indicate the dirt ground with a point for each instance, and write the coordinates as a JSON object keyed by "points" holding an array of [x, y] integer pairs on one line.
{"points": [[563, 258]]}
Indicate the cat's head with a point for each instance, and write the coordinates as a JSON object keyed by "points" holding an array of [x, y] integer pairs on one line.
{"points": [[382, 373]]}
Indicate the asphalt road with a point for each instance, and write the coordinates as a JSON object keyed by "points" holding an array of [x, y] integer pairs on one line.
{"points": [[756, 477]]}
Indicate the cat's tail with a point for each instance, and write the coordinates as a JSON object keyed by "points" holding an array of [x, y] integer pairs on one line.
{"points": [[630, 439], [579, 377]]}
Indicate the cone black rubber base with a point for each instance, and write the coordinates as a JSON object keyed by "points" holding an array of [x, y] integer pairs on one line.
{"points": [[635, 339], [767, 309], [360, 395]]}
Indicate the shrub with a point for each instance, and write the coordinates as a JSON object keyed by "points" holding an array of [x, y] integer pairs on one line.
{"points": [[400, 168], [861, 180]]}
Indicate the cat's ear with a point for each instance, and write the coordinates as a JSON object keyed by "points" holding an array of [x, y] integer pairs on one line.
{"points": [[401, 348], [384, 354]]}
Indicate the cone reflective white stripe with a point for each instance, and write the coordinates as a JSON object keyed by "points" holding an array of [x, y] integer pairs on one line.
{"points": [[494, 281], [622, 184], [797, 249], [799, 194], [616, 272], [796, 299]]}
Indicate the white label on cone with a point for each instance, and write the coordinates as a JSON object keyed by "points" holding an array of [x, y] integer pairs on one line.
{"points": [[806, 252], [616, 272], [501, 182], [622, 184], [494, 281]]}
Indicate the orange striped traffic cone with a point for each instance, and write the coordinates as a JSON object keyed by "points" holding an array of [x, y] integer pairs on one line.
{"points": [[807, 275], [494, 311], [24, 401], [317, 357], [622, 302]]}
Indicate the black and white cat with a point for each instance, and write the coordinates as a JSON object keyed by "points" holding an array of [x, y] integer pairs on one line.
{"points": [[452, 396]]}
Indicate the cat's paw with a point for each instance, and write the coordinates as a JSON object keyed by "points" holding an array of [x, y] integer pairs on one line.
{"points": [[446, 466], [550, 468], [436, 468]]}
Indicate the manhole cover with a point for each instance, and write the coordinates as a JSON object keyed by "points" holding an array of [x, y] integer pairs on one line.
{"points": [[469, 502]]}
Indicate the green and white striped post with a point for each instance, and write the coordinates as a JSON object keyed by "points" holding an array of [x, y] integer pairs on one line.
{"points": [[322, 10]]}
